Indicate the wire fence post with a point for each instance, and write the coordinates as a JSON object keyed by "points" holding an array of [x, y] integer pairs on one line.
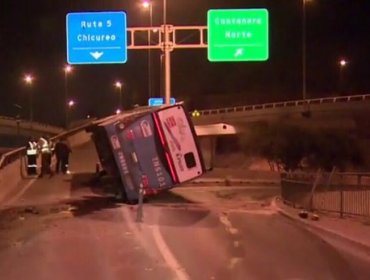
{"points": [[314, 186]]}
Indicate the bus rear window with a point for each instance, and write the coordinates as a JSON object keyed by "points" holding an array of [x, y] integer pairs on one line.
{"points": [[190, 160]]}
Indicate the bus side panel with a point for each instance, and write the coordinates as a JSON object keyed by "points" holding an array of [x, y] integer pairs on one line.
{"points": [[140, 138], [181, 140], [130, 188]]}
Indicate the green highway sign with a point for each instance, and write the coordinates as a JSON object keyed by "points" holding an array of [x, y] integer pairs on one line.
{"points": [[238, 35]]}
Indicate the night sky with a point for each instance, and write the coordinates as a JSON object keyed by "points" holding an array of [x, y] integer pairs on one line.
{"points": [[33, 40]]}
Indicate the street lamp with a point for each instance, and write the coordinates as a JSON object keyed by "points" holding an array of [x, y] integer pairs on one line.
{"points": [[29, 80], [70, 104], [304, 91], [148, 5], [18, 120], [118, 85], [67, 70], [342, 64]]}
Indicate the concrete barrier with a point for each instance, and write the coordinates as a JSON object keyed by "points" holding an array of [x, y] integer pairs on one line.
{"points": [[10, 179]]}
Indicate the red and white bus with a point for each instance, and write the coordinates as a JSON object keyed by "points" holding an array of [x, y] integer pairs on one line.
{"points": [[151, 147]]}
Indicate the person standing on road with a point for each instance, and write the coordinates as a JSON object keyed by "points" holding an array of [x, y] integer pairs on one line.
{"points": [[62, 151], [45, 147]]}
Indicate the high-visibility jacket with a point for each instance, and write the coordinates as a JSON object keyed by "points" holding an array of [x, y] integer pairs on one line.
{"points": [[45, 146], [32, 148]]}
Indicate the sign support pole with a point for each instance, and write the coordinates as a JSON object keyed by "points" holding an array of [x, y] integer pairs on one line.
{"points": [[167, 43], [167, 64]]}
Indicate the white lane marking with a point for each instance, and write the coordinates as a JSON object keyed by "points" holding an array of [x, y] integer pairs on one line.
{"points": [[168, 256], [229, 227], [162, 247], [20, 193]]}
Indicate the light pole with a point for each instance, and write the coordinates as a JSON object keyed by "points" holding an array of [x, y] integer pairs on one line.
{"points": [[164, 12], [149, 5], [69, 105], [18, 120], [29, 80], [67, 70], [342, 64], [118, 85], [304, 90]]}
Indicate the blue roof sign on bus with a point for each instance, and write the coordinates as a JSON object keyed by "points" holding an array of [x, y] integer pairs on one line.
{"points": [[96, 37], [158, 101]]}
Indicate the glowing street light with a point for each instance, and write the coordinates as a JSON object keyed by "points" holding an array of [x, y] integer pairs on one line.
{"points": [[342, 64], [70, 104], [68, 68], [119, 85], [146, 4], [28, 79]]}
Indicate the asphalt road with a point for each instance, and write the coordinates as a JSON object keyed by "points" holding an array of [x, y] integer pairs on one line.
{"points": [[91, 237], [63, 228]]}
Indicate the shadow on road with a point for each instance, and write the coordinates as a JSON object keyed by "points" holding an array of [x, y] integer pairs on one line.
{"points": [[107, 187], [169, 197]]}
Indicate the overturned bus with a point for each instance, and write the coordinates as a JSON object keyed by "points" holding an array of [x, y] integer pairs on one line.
{"points": [[148, 148]]}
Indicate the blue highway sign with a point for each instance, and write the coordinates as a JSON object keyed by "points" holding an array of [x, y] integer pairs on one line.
{"points": [[158, 101], [96, 37]]}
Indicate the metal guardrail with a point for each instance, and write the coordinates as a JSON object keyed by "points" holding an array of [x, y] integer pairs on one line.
{"points": [[345, 193], [13, 155], [25, 124], [292, 103]]}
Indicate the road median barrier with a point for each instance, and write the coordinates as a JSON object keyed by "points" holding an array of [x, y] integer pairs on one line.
{"points": [[230, 181]]}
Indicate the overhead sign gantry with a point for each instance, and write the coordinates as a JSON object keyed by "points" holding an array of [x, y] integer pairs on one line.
{"points": [[233, 35]]}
